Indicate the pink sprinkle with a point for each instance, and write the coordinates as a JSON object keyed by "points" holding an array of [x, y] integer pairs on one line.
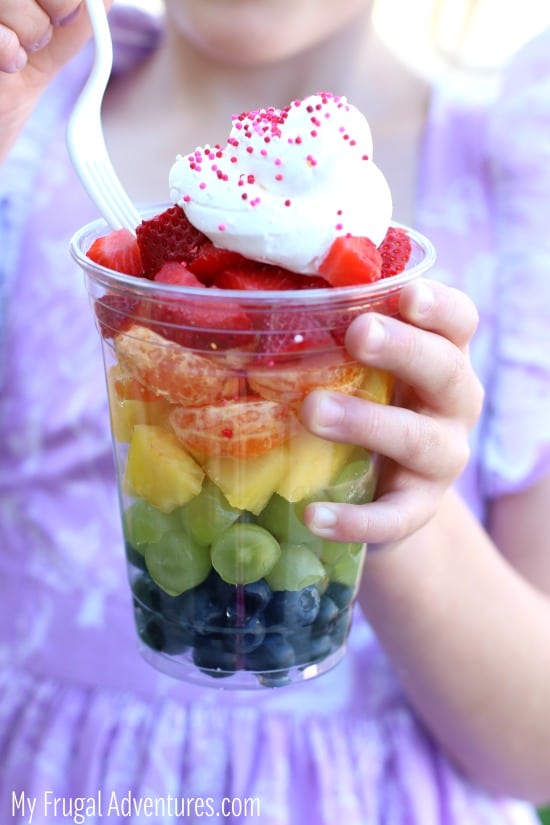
{"points": [[222, 227], [249, 149], [202, 185], [187, 198], [278, 177], [339, 227], [288, 203]]}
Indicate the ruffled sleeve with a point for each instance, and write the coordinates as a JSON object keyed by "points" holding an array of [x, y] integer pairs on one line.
{"points": [[517, 443]]}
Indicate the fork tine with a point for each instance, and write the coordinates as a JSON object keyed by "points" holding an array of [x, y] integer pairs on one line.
{"points": [[114, 194], [85, 135]]}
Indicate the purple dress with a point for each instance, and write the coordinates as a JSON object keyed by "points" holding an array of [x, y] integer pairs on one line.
{"points": [[89, 730]]}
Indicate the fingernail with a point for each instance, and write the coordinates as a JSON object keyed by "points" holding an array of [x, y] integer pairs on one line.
{"points": [[376, 335], [20, 61], [423, 299], [329, 412], [46, 37], [323, 518], [64, 21]]}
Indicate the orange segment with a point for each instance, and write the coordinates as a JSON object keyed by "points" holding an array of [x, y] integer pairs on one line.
{"points": [[124, 387], [170, 371], [290, 383], [250, 427]]}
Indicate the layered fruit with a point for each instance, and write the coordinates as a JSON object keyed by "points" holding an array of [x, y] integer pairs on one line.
{"points": [[210, 354]]}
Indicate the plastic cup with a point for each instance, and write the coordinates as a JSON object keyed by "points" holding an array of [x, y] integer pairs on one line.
{"points": [[214, 469]]}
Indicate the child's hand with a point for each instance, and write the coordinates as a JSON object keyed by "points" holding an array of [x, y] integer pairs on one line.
{"points": [[36, 40], [40, 36], [424, 437]]}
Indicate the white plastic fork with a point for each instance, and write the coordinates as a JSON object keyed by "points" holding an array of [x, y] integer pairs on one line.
{"points": [[85, 140]]}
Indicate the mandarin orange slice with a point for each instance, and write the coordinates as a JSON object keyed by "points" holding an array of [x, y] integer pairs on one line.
{"points": [[125, 387], [242, 429], [290, 383], [173, 372]]}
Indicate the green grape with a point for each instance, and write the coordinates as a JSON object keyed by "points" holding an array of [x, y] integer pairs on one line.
{"points": [[297, 567], [209, 514], [177, 563], [355, 484], [332, 551], [283, 519], [244, 553], [347, 568], [145, 524]]}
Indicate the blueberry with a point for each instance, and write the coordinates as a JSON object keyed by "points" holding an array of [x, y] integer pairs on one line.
{"points": [[341, 594], [339, 630], [245, 638], [293, 608], [147, 594], [327, 616], [256, 596], [210, 655], [161, 635], [275, 653], [134, 557], [243, 599], [197, 609]]}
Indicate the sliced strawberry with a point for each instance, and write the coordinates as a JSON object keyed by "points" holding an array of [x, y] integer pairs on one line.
{"points": [[210, 261], [292, 333], [168, 237], [351, 261], [395, 250], [118, 250], [115, 313], [192, 322], [262, 277], [313, 282], [173, 272]]}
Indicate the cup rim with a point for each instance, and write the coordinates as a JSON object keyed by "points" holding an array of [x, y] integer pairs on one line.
{"points": [[83, 237]]}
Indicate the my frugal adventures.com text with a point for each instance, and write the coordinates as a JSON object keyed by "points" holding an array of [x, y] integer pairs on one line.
{"points": [[81, 809]]}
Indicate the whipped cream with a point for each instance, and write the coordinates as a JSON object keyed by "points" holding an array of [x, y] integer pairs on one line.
{"points": [[288, 182]]}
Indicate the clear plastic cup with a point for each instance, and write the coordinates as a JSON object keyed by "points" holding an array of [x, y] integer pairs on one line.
{"points": [[214, 469]]}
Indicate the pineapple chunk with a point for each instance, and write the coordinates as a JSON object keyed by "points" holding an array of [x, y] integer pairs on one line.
{"points": [[160, 470], [376, 386], [313, 464], [126, 414], [248, 484]]}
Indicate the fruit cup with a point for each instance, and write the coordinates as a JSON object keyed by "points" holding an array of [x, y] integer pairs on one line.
{"points": [[215, 470]]}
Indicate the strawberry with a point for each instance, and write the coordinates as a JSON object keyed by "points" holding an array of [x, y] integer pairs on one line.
{"points": [[173, 272], [210, 261], [119, 251], [261, 277], [168, 237], [351, 261], [292, 333], [395, 250], [115, 313], [190, 322]]}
